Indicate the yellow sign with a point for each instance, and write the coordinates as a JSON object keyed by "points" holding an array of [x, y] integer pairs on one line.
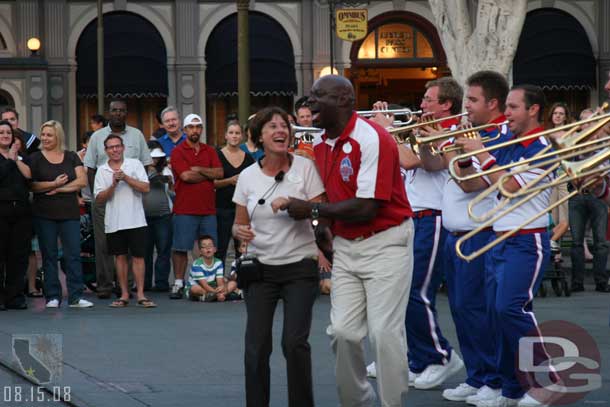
{"points": [[352, 23]]}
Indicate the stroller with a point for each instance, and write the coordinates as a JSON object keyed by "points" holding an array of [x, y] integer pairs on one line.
{"points": [[87, 250]]}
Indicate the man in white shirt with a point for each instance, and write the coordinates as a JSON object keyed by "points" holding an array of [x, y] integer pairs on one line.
{"points": [[135, 147], [119, 185]]}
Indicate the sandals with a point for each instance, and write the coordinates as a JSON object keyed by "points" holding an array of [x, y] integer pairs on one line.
{"points": [[120, 303], [146, 303], [35, 294]]}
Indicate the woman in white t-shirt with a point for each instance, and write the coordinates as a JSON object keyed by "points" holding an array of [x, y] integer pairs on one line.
{"points": [[287, 252]]}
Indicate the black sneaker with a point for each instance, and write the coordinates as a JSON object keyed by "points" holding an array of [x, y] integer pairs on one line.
{"points": [[2, 307], [602, 288], [160, 289], [16, 305], [176, 293]]}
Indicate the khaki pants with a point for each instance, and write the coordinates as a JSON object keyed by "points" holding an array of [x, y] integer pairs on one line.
{"points": [[371, 281]]}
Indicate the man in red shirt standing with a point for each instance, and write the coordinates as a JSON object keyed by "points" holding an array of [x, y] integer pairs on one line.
{"points": [[195, 165], [370, 218]]}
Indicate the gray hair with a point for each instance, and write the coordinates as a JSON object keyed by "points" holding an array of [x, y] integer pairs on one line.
{"points": [[167, 110]]}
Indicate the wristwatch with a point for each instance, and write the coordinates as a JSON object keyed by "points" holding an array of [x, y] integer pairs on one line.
{"points": [[315, 214]]}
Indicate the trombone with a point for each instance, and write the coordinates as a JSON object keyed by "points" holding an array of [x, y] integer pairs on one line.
{"points": [[589, 146], [599, 173], [572, 127], [568, 166]]}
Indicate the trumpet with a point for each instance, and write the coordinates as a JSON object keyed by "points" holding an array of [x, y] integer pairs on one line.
{"points": [[305, 133], [473, 131], [411, 127], [396, 112]]}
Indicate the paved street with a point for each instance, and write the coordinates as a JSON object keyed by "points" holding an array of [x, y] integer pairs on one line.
{"points": [[190, 354]]}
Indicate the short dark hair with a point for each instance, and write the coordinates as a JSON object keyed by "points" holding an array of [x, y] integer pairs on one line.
{"points": [[7, 123], [117, 100], [98, 118], [300, 102], [112, 136], [10, 109], [233, 122], [533, 95], [493, 84], [205, 237], [263, 117], [448, 90], [86, 137]]}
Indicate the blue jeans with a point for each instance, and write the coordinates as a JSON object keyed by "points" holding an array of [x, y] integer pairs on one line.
{"points": [[159, 236], [585, 208], [69, 232]]}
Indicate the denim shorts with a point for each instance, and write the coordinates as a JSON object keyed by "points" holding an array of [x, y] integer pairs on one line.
{"points": [[188, 228]]}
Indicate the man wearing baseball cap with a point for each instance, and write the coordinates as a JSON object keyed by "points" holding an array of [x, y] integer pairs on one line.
{"points": [[195, 165]]}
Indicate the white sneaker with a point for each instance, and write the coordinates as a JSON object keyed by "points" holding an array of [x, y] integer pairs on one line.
{"points": [[81, 304], [529, 401], [53, 304], [435, 375], [412, 377], [460, 393], [499, 401], [371, 371], [484, 393]]}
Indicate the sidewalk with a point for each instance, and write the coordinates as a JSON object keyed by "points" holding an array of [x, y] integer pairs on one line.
{"points": [[191, 354]]}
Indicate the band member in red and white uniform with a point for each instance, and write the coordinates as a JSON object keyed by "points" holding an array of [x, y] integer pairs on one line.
{"points": [[515, 266], [485, 96]]}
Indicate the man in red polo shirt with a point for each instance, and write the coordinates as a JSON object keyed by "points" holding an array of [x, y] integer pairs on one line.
{"points": [[370, 218], [195, 165]]}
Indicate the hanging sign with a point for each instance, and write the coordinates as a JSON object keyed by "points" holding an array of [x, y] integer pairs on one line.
{"points": [[352, 23]]}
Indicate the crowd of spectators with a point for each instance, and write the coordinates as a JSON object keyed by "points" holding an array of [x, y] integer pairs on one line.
{"points": [[150, 204]]}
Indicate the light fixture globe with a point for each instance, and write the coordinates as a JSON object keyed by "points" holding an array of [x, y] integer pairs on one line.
{"points": [[33, 44], [327, 71]]}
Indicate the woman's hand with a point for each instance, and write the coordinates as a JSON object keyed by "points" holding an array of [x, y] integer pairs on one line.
{"points": [[13, 152], [323, 264], [279, 203], [243, 232], [61, 180]]}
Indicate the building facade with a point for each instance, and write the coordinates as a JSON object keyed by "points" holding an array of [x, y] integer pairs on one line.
{"points": [[183, 53]]}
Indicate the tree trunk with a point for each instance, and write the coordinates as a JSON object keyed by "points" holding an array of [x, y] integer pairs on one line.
{"points": [[490, 45]]}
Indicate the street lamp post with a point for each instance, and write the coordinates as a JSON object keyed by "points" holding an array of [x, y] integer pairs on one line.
{"points": [[100, 58], [243, 61], [331, 15]]}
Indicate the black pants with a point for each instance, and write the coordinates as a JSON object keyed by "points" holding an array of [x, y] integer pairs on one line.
{"points": [[15, 246], [297, 285], [224, 224]]}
